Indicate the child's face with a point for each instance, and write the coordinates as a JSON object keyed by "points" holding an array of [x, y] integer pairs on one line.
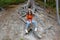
{"points": [[29, 12]]}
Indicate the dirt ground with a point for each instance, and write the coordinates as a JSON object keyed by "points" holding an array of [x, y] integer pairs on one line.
{"points": [[12, 28]]}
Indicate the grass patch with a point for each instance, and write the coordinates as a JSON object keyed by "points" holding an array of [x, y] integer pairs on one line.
{"points": [[4, 3]]}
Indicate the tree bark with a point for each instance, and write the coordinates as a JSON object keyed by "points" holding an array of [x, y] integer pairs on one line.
{"points": [[59, 3], [44, 3], [57, 11]]}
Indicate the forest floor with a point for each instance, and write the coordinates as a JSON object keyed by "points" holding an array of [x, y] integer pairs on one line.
{"points": [[12, 28]]}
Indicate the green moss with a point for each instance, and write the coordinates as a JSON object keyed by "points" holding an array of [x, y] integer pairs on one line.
{"points": [[21, 39]]}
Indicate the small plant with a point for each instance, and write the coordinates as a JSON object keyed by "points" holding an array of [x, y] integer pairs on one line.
{"points": [[21, 39]]}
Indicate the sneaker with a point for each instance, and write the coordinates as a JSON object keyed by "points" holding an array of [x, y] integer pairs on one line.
{"points": [[26, 31], [35, 29], [40, 37]]}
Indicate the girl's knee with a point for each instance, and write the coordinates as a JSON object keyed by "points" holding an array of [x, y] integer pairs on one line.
{"points": [[28, 22], [34, 22]]}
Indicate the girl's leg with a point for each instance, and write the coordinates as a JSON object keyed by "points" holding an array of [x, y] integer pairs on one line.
{"points": [[27, 26], [35, 25]]}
